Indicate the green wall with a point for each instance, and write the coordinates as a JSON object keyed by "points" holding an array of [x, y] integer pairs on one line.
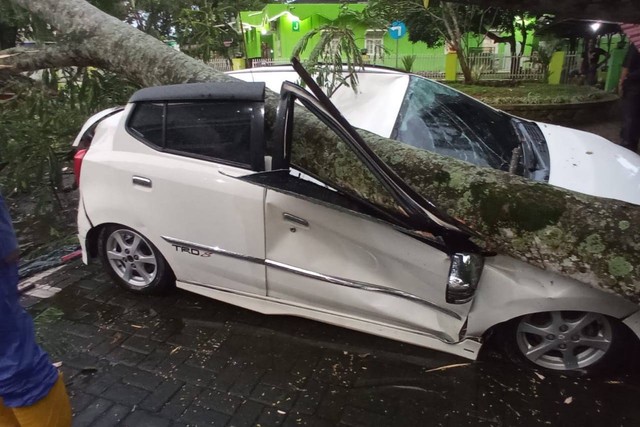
{"points": [[278, 20]]}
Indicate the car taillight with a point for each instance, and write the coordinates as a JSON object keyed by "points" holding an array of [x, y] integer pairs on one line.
{"points": [[77, 163]]}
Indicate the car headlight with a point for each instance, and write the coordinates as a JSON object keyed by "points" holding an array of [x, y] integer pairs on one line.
{"points": [[464, 275]]}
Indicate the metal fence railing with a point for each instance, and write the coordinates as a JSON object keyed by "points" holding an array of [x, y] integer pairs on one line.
{"points": [[484, 66], [490, 66], [220, 64], [571, 68], [262, 62]]}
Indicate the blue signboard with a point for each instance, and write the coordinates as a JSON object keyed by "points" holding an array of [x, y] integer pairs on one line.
{"points": [[397, 30]]}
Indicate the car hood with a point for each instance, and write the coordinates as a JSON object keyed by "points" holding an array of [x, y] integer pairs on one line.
{"points": [[590, 164]]}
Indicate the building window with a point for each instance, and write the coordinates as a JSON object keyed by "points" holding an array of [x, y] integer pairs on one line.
{"points": [[374, 43]]}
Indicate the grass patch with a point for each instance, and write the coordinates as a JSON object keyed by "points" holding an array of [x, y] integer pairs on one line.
{"points": [[533, 93]]}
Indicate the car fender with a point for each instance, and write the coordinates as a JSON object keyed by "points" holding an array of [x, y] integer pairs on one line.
{"points": [[104, 176], [510, 288]]}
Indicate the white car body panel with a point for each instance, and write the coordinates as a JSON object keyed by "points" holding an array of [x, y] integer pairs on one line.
{"points": [[366, 252], [467, 348], [580, 161], [276, 271], [359, 108], [590, 164], [382, 90], [84, 226], [510, 288], [196, 192]]}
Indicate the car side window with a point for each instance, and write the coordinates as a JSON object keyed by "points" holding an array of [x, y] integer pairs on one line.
{"points": [[216, 130], [146, 122]]}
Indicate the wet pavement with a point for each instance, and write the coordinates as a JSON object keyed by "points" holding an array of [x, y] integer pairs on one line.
{"points": [[183, 359]]}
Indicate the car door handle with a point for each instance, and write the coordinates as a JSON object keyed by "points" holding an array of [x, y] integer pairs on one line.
{"points": [[295, 219], [142, 181]]}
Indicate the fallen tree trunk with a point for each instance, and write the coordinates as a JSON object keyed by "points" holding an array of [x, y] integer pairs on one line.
{"points": [[596, 241], [18, 59]]}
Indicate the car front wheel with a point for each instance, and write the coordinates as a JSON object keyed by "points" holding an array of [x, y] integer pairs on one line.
{"points": [[568, 340], [133, 261]]}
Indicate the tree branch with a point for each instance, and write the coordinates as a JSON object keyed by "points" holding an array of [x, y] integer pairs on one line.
{"points": [[496, 38], [20, 59]]}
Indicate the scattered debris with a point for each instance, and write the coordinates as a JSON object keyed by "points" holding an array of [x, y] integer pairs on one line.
{"points": [[30, 283], [539, 375], [50, 260], [444, 368], [568, 400]]}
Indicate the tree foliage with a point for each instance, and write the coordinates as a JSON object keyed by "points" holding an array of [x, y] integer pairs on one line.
{"points": [[38, 124], [334, 48], [442, 22], [454, 24]]}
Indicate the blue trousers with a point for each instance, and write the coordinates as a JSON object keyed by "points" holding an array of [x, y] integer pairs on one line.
{"points": [[26, 374]]}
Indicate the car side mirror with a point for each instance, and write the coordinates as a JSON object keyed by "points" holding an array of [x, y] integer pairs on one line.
{"points": [[464, 275]]}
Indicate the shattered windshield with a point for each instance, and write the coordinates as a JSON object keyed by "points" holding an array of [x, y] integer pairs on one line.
{"points": [[436, 118]]}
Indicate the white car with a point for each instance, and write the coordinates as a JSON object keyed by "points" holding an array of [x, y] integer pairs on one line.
{"points": [[182, 186], [429, 115]]}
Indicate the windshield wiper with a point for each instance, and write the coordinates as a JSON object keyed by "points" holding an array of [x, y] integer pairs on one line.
{"points": [[535, 155]]}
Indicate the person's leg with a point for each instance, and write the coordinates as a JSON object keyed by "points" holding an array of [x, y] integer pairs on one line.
{"points": [[54, 410], [7, 419], [634, 122], [630, 119]]}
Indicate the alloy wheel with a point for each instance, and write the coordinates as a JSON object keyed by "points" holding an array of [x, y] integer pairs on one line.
{"points": [[131, 257], [564, 340]]}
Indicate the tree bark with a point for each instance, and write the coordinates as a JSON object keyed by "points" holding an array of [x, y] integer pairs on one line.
{"points": [[455, 37], [594, 240], [20, 59]]}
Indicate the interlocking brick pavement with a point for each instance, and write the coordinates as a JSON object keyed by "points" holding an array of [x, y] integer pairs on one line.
{"points": [[183, 360]]}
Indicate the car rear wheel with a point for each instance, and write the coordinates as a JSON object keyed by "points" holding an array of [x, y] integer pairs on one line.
{"points": [[133, 261], [568, 340]]}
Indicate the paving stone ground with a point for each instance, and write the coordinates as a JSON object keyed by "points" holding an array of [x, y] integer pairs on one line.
{"points": [[182, 359]]}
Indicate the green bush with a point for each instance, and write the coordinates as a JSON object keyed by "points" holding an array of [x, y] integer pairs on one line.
{"points": [[38, 125]]}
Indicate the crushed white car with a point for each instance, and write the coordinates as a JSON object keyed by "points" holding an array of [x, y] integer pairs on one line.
{"points": [[431, 116], [182, 187]]}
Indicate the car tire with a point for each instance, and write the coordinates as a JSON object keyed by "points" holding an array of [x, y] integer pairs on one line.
{"points": [[133, 262], [568, 341]]}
